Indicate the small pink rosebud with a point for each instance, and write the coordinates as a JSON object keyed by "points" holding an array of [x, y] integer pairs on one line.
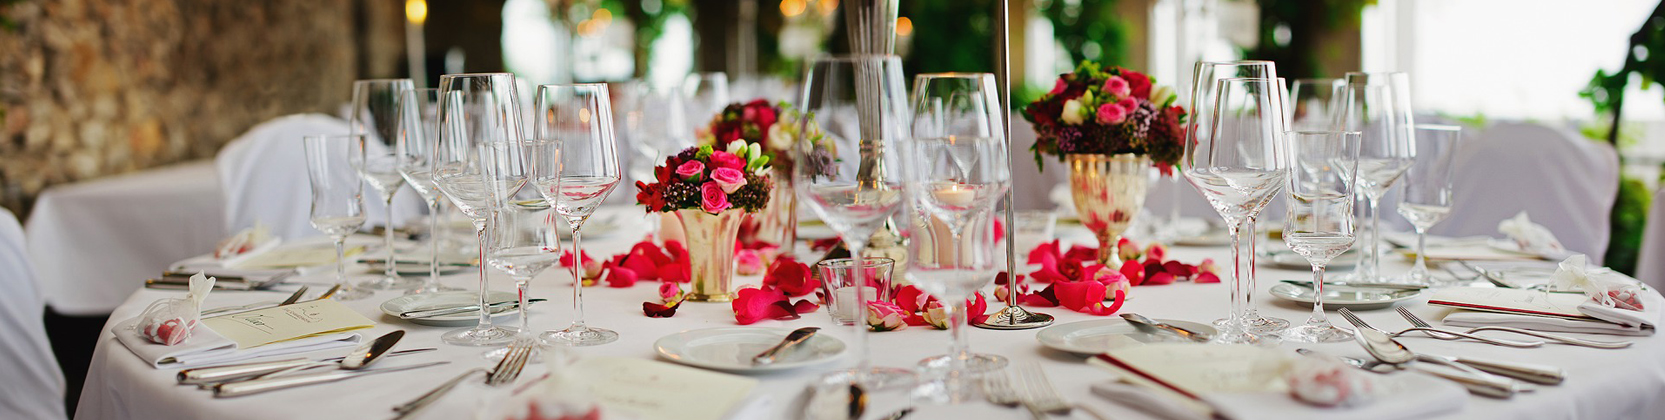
{"points": [[1116, 86], [691, 170], [885, 316], [748, 262]]}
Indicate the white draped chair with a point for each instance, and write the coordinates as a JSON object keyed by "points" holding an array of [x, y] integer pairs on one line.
{"points": [[263, 175], [31, 386], [1650, 267], [1562, 180]]}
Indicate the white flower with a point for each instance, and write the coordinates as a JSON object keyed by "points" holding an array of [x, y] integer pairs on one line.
{"points": [[735, 148], [778, 138], [1161, 95], [1072, 112]]}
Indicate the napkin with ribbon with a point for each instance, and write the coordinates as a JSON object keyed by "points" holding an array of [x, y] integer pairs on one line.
{"points": [[206, 347], [1532, 238], [1614, 297], [170, 321]]}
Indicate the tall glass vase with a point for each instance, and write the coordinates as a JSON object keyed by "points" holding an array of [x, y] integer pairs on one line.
{"points": [[710, 241], [1108, 190]]}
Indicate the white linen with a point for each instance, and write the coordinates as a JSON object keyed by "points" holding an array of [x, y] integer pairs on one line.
{"points": [[31, 386], [1465, 318], [1566, 182], [1650, 268], [263, 174], [1403, 395], [206, 347], [94, 242], [1604, 384]]}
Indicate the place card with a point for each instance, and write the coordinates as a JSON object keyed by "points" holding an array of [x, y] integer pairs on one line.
{"points": [[1512, 301], [657, 390], [286, 323]]}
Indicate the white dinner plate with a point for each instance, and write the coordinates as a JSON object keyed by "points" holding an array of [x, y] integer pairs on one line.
{"points": [[394, 307], [1100, 335], [1357, 298], [731, 349]]}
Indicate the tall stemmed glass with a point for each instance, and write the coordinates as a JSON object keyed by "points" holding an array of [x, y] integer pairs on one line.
{"points": [[1313, 103], [1319, 225], [1426, 199], [1204, 92], [376, 115], [706, 95], [418, 139], [1239, 166], [580, 118], [477, 110], [850, 171], [1378, 106], [337, 198], [525, 240]]}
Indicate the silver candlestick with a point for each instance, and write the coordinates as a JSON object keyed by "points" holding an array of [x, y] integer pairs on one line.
{"points": [[1011, 317]]}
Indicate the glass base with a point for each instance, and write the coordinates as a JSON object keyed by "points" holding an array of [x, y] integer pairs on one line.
{"points": [[977, 363], [1259, 324], [873, 379], [433, 288], [953, 389], [351, 293], [393, 282], [478, 336], [1316, 332], [580, 336], [1232, 336], [1422, 278], [1015, 318], [496, 355]]}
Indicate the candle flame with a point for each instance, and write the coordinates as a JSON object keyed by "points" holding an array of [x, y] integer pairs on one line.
{"points": [[416, 11], [904, 26]]}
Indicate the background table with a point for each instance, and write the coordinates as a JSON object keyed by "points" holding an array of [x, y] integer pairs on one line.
{"points": [[1601, 384]]}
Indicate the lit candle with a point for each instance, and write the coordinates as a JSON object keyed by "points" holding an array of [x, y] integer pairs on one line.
{"points": [[955, 195], [845, 305]]}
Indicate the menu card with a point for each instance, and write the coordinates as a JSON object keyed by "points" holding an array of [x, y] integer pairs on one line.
{"points": [[285, 323], [1512, 301], [657, 390]]}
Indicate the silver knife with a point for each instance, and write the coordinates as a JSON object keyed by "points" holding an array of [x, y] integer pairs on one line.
{"points": [[796, 336], [226, 373], [238, 389], [1151, 326], [496, 307]]}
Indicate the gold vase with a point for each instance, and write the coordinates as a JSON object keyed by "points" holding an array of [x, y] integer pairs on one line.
{"points": [[1108, 190], [710, 240], [778, 222]]}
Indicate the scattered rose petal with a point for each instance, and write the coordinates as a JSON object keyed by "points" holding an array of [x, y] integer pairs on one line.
{"points": [[792, 277], [885, 316]]}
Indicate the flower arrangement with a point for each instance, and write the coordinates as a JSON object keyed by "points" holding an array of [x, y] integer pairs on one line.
{"points": [[1108, 111], [774, 126], [709, 179]]}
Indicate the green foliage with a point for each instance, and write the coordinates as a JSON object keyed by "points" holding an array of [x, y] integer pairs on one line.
{"points": [[1628, 218], [1089, 29], [1290, 31], [950, 35]]}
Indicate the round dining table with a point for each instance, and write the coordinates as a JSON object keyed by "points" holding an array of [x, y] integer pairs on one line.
{"points": [[1601, 384]]}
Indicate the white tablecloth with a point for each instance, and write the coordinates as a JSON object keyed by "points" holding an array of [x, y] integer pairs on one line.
{"points": [[1601, 384], [93, 243]]}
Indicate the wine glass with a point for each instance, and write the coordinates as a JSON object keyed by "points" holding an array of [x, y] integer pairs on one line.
{"points": [[1313, 103], [376, 115], [579, 118], [477, 110], [1377, 105], [848, 169], [655, 120], [1239, 165], [1426, 199], [337, 198], [1319, 224], [418, 138], [1204, 92], [524, 240], [706, 95]]}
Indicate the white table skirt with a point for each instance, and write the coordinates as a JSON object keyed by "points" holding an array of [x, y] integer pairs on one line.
{"points": [[1601, 384], [93, 243]]}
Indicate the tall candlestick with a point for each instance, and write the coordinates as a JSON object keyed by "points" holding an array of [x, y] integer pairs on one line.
{"points": [[1012, 317]]}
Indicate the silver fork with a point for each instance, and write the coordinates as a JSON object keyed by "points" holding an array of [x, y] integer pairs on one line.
{"points": [[998, 389], [507, 370], [1039, 397], [1433, 331], [1450, 335]]}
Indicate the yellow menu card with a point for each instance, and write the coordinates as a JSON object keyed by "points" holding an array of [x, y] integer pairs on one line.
{"points": [[284, 323], [658, 390]]}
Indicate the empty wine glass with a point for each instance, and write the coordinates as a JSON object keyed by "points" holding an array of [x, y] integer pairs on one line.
{"points": [[418, 138], [1313, 104], [1239, 165], [580, 119], [1378, 106], [848, 169], [1426, 199], [706, 95], [525, 239], [477, 110], [337, 198], [376, 115], [1319, 223], [1204, 93]]}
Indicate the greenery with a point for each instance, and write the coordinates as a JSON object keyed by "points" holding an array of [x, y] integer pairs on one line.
{"points": [[1629, 216], [1291, 31], [1606, 93]]}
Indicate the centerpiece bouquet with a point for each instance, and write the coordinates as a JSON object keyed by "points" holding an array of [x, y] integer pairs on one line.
{"points": [[711, 191], [1108, 126], [774, 127]]}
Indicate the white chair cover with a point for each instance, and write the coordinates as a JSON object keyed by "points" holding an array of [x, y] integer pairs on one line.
{"points": [[1563, 181], [31, 386], [263, 174], [1650, 267]]}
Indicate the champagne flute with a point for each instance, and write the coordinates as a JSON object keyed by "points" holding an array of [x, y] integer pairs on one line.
{"points": [[477, 110], [418, 139], [579, 118], [337, 198], [1319, 224], [848, 169], [1239, 165], [1378, 106], [1427, 196], [525, 240], [376, 115], [1204, 92]]}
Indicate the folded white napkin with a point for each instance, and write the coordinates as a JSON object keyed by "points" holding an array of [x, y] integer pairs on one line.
{"points": [[206, 347], [1532, 238], [1403, 395]]}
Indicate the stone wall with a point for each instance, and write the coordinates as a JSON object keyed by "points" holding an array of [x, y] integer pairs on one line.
{"points": [[91, 88]]}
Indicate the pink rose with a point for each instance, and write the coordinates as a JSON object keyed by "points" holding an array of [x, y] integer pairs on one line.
{"points": [[1128, 104], [712, 198], [669, 291], [936, 314], [1126, 250], [1059, 87], [727, 160], [729, 178], [1157, 252], [748, 262], [885, 316], [1111, 114], [691, 170], [1117, 86]]}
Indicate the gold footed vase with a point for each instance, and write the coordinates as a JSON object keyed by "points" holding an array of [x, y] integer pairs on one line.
{"points": [[1109, 190], [710, 241]]}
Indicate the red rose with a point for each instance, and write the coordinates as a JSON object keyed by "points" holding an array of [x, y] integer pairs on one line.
{"points": [[1138, 83], [727, 160]]}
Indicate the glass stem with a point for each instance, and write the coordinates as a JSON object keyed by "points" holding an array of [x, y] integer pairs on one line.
{"points": [[433, 247], [341, 264], [1373, 260], [860, 339], [387, 238], [1318, 295], [1235, 321], [1250, 314], [577, 281], [485, 313], [522, 284], [959, 351], [1420, 272]]}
